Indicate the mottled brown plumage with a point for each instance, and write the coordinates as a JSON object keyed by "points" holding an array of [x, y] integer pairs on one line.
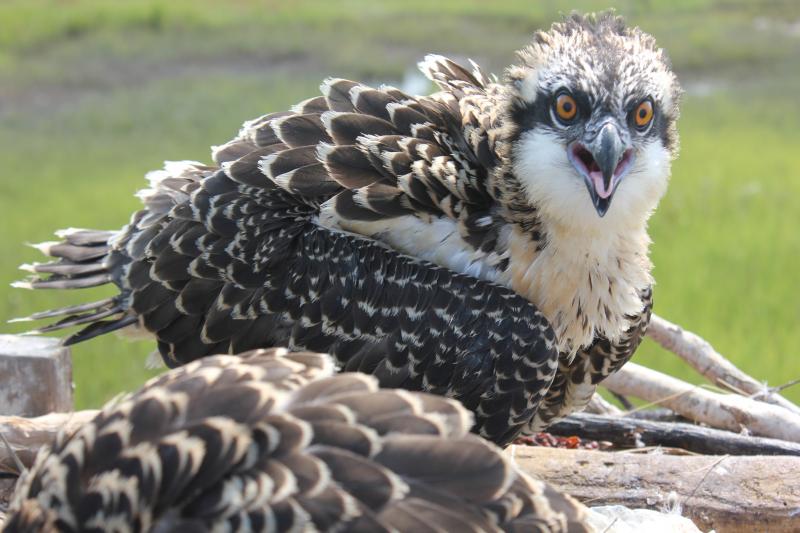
{"points": [[270, 442]]}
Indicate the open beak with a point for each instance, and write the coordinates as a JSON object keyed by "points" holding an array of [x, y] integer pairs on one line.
{"points": [[602, 161]]}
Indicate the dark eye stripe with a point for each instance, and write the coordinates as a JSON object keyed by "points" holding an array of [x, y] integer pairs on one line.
{"points": [[528, 115]]}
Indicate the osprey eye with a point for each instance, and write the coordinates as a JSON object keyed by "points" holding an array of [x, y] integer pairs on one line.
{"points": [[566, 107], [643, 114]]}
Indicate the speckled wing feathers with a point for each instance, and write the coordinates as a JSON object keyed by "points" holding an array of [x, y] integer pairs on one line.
{"points": [[240, 265], [267, 442]]}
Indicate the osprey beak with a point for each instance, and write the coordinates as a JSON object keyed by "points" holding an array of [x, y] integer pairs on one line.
{"points": [[602, 161]]}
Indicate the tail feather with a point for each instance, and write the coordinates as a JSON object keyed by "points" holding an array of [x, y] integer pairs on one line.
{"points": [[82, 261], [65, 282], [69, 310], [85, 237], [63, 268], [96, 329], [77, 320], [85, 258], [72, 252]]}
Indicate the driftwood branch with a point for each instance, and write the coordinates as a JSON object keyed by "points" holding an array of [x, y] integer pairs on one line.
{"points": [[27, 435], [632, 433], [658, 414], [711, 364], [724, 411], [599, 406], [728, 494]]}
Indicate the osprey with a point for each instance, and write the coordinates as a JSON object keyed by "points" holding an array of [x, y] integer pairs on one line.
{"points": [[487, 242], [270, 442]]}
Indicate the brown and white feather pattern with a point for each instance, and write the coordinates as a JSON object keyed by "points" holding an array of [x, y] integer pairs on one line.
{"points": [[270, 442], [385, 229], [241, 259], [577, 378]]}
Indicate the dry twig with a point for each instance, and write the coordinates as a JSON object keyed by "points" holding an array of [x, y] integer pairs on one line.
{"points": [[742, 494], [630, 432], [711, 364], [724, 411]]}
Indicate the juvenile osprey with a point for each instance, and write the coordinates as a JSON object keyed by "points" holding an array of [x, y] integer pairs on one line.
{"points": [[486, 242], [269, 442]]}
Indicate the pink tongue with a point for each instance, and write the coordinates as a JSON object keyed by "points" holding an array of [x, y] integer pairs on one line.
{"points": [[599, 184]]}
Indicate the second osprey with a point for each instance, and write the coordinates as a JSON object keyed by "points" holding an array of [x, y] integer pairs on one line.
{"points": [[487, 242]]}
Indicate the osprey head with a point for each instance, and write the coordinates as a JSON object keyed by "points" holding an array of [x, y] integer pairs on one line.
{"points": [[592, 108]]}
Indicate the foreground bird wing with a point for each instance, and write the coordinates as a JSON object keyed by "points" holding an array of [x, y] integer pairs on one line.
{"points": [[269, 442]]}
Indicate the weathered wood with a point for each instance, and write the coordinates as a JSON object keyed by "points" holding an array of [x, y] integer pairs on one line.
{"points": [[724, 411], [658, 414], [632, 433], [711, 364], [27, 435], [35, 376], [726, 493], [599, 406]]}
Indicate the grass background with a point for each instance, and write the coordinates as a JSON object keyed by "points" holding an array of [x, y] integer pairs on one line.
{"points": [[93, 94]]}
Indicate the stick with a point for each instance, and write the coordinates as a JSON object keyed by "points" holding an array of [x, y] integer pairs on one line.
{"points": [[631, 433], [659, 414], [723, 411], [26, 436], [599, 406], [711, 364], [727, 494]]}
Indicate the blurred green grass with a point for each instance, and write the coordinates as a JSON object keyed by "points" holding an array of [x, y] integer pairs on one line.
{"points": [[93, 94]]}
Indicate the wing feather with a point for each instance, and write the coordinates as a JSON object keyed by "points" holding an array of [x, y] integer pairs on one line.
{"points": [[271, 439]]}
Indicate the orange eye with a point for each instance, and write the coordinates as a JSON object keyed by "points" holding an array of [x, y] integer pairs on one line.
{"points": [[566, 107], [643, 114]]}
